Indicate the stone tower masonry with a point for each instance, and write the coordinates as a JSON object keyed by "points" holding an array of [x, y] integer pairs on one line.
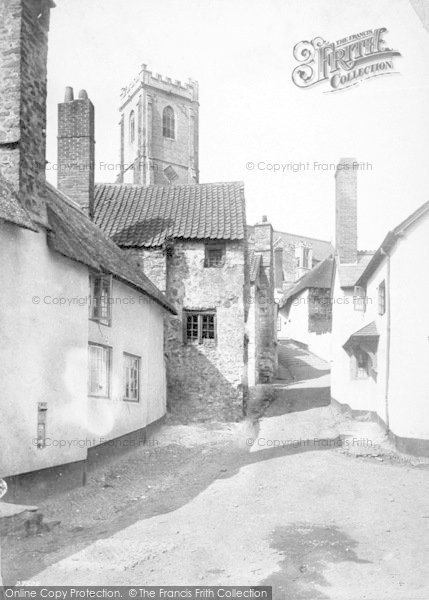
{"points": [[152, 153], [24, 26], [346, 210], [76, 149], [266, 343]]}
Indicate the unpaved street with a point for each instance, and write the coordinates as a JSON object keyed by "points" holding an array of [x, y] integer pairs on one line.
{"points": [[308, 502]]}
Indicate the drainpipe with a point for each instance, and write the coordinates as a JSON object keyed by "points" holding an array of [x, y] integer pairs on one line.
{"points": [[388, 330]]}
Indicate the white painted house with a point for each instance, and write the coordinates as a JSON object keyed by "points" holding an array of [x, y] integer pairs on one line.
{"points": [[81, 355], [305, 310], [380, 332]]}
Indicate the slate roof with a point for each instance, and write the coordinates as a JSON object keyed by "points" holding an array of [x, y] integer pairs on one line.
{"points": [[349, 274], [11, 209], [254, 264], [367, 338], [145, 216], [321, 248], [319, 277], [369, 330], [75, 236]]}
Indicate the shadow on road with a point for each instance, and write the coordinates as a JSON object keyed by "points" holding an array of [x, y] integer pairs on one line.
{"points": [[23, 558], [307, 550], [291, 400]]}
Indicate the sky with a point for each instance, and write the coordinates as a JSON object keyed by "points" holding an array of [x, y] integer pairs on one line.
{"points": [[241, 53]]}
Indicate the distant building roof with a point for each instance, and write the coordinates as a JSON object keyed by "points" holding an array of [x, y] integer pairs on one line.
{"points": [[11, 209], [350, 273], [75, 236], [319, 277], [146, 216], [390, 240], [321, 248]]}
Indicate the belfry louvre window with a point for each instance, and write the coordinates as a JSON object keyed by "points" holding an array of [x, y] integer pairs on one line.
{"points": [[99, 370], [214, 255], [100, 298], [131, 377], [132, 127], [199, 327], [168, 124]]}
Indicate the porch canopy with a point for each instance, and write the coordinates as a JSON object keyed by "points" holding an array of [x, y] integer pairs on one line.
{"points": [[366, 339]]}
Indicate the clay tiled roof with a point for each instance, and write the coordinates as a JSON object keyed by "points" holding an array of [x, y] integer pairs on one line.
{"points": [[75, 236], [145, 216], [11, 209], [319, 277]]}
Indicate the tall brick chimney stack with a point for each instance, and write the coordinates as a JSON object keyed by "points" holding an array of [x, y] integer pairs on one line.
{"points": [[76, 149], [24, 26], [346, 210]]}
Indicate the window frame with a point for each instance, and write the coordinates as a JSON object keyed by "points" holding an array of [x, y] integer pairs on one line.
{"points": [[359, 292], [306, 257], [200, 314], [108, 363], [210, 247], [382, 298], [128, 355], [103, 320], [356, 372], [168, 122]]}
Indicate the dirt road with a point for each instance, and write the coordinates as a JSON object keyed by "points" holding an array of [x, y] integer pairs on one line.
{"points": [[312, 504]]}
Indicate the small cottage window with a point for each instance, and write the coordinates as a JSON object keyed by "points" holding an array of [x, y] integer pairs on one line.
{"points": [[100, 298], [131, 377], [382, 298], [200, 327], [99, 370], [361, 364], [359, 298], [214, 255], [168, 123], [132, 127], [306, 258]]}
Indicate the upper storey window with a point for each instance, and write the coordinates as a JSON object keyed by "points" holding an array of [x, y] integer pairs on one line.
{"points": [[132, 127], [168, 123]]}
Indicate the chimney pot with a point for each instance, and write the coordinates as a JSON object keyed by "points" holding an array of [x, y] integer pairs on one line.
{"points": [[83, 95], [264, 219], [68, 96]]}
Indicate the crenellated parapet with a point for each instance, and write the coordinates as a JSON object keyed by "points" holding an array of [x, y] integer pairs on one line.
{"points": [[146, 78]]}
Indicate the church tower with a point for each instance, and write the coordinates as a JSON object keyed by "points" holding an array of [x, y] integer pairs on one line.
{"points": [[159, 131]]}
